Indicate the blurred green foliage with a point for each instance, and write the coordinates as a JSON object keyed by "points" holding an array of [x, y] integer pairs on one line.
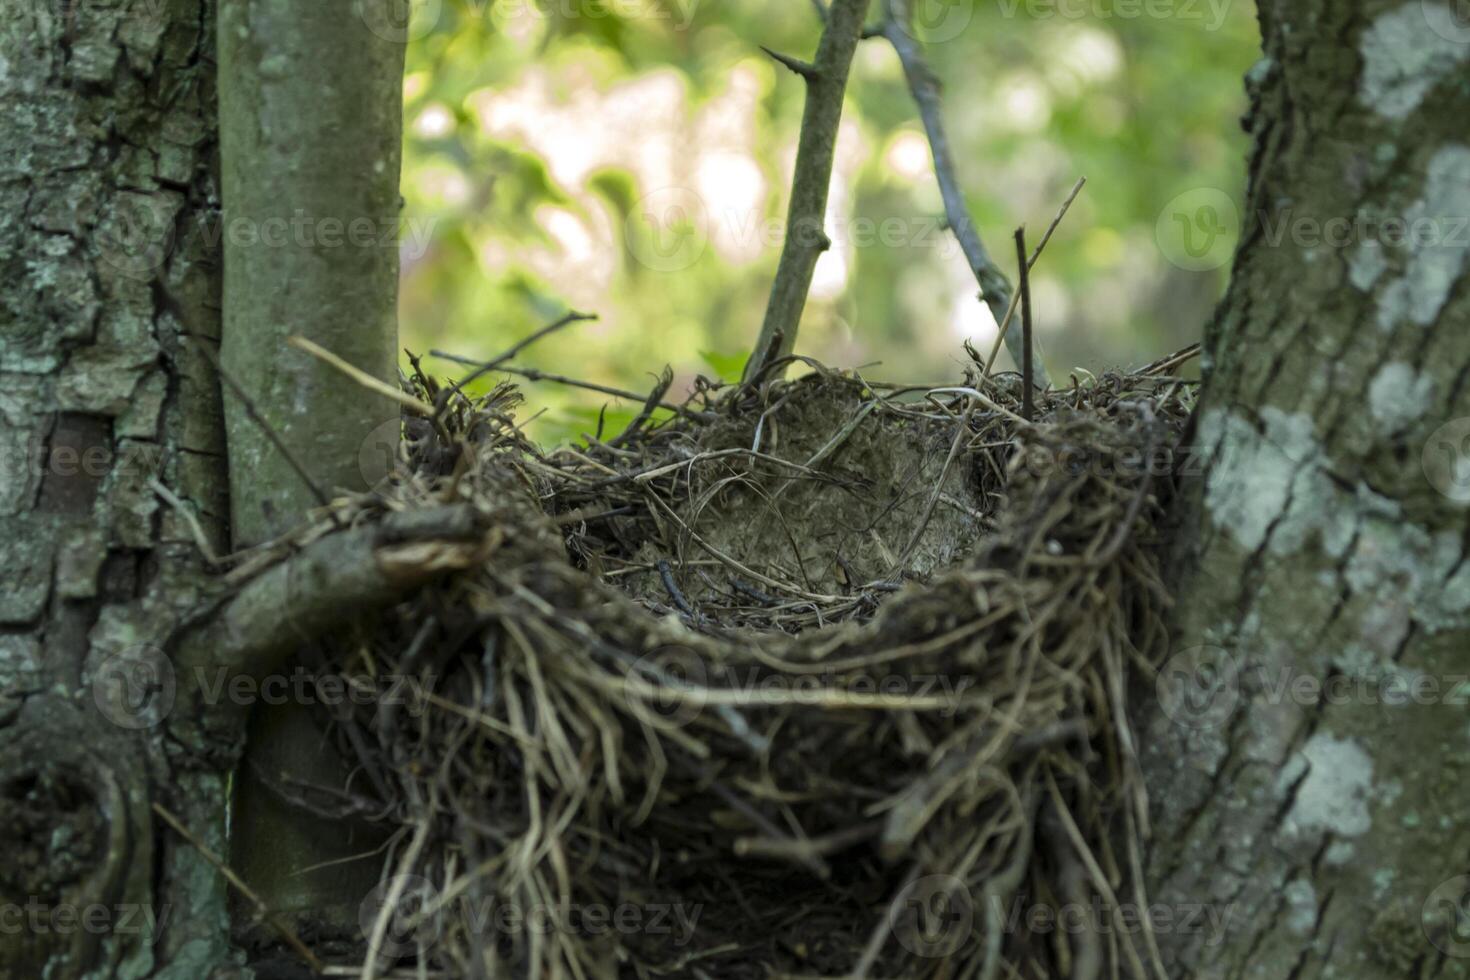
{"points": [[631, 158]]}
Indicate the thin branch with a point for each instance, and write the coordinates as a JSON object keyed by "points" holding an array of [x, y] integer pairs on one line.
{"points": [[995, 288], [1028, 409], [360, 376], [1031, 264], [531, 374], [265, 427], [815, 152], [287, 933], [570, 318]]}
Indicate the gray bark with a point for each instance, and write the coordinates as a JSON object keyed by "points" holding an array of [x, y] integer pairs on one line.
{"points": [[109, 191], [1325, 542]]}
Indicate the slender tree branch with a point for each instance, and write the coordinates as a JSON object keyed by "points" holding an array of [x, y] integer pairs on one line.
{"points": [[1027, 406], [266, 429], [805, 239], [570, 318], [1005, 324], [994, 287], [264, 910]]}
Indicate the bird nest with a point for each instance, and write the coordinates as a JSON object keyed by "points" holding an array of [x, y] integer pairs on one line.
{"points": [[816, 678]]}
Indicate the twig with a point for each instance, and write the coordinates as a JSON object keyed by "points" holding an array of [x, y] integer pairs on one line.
{"points": [[666, 573], [360, 376], [805, 240], [1028, 407], [281, 926], [531, 374], [570, 318], [1005, 321], [329, 582], [265, 427], [994, 287], [200, 541]]}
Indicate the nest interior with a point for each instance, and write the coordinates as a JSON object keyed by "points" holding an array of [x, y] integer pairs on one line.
{"points": [[812, 678]]}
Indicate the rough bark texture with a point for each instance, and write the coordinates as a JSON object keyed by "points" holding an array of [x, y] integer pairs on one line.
{"points": [[1319, 828], [108, 187], [311, 130]]}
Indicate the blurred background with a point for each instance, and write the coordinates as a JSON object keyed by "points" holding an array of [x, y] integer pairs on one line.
{"points": [[631, 158]]}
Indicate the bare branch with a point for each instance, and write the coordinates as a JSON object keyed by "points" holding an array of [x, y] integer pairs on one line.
{"points": [[330, 582], [994, 286], [266, 429], [805, 239], [1028, 411]]}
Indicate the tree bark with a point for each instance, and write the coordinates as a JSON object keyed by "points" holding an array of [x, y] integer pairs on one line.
{"points": [[109, 189], [1303, 754]]}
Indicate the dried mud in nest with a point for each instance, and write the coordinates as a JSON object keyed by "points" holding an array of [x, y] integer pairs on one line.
{"points": [[821, 678]]}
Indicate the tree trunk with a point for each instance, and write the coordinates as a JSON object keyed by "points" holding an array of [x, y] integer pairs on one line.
{"points": [[1303, 756], [312, 133], [108, 186]]}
